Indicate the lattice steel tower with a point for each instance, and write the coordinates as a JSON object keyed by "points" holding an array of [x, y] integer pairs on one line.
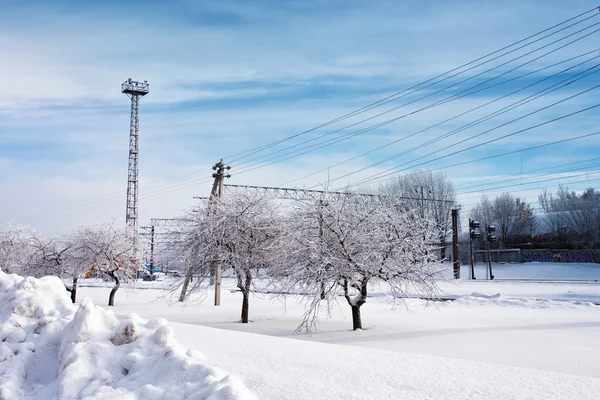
{"points": [[134, 90]]}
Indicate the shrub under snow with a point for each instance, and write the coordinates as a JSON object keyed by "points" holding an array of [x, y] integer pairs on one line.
{"points": [[52, 349]]}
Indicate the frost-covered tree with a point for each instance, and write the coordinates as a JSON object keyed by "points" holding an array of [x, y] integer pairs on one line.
{"points": [[239, 231], [29, 253], [573, 217], [53, 256], [430, 192], [46, 255], [15, 248], [339, 245], [107, 248], [555, 209], [512, 216]]}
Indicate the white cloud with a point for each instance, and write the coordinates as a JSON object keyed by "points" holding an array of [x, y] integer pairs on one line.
{"points": [[218, 89]]}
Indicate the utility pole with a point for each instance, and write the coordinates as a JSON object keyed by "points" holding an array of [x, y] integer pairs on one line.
{"points": [[421, 189], [134, 90], [455, 260], [320, 219], [422, 203], [217, 191]]}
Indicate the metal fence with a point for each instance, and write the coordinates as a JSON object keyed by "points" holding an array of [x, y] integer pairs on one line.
{"points": [[498, 256]]}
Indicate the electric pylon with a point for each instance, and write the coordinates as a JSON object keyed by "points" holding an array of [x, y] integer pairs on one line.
{"points": [[134, 90]]}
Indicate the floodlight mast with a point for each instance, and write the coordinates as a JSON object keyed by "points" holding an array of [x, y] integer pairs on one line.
{"points": [[134, 90]]}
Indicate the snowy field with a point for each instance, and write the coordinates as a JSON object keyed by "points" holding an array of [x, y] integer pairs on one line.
{"points": [[498, 339], [536, 271]]}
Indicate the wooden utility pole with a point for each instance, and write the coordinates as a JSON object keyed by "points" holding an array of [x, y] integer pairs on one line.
{"points": [[320, 220], [455, 261], [217, 191]]}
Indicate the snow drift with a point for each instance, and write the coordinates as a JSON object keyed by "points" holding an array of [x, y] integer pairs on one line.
{"points": [[52, 349]]}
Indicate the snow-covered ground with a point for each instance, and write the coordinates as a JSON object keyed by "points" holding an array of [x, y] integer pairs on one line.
{"points": [[536, 271], [499, 339]]}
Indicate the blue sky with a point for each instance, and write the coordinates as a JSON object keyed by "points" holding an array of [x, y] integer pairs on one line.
{"points": [[226, 77]]}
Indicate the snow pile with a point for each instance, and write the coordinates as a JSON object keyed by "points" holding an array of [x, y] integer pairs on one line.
{"points": [[50, 349]]}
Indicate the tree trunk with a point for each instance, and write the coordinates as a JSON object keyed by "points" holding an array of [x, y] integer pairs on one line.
{"points": [[245, 307], [74, 290], [111, 296], [442, 249], [356, 303], [356, 320], [186, 282], [244, 286]]}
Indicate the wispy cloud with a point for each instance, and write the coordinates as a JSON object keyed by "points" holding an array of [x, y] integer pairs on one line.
{"points": [[228, 76]]}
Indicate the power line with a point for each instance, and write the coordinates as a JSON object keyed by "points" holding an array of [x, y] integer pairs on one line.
{"points": [[175, 187], [418, 86], [453, 97], [509, 178], [525, 190], [503, 154], [521, 185], [100, 199], [469, 125], [110, 202], [396, 169], [546, 91]]}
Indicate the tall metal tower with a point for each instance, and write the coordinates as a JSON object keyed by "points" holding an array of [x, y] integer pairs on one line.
{"points": [[134, 90]]}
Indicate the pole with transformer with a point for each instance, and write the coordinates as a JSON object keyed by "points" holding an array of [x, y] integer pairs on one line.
{"points": [[217, 192]]}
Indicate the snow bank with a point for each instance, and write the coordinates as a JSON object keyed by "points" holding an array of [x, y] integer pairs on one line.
{"points": [[52, 349]]}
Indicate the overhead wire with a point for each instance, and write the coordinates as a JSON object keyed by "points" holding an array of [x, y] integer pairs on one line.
{"points": [[463, 93], [529, 189], [559, 85], [527, 175], [461, 163], [398, 168], [107, 204], [469, 125], [417, 87]]}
